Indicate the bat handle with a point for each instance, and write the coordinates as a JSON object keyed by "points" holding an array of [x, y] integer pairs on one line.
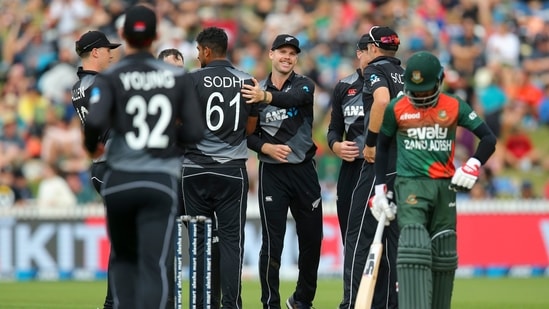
{"points": [[379, 229]]}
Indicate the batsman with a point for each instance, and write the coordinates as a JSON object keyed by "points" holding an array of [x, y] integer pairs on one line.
{"points": [[424, 123]]}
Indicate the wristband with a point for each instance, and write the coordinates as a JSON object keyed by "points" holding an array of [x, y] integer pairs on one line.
{"points": [[264, 96], [371, 138]]}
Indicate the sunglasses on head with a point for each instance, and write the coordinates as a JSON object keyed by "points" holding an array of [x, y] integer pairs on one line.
{"points": [[389, 40]]}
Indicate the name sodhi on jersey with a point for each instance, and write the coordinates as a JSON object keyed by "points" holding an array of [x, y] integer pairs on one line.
{"points": [[222, 82]]}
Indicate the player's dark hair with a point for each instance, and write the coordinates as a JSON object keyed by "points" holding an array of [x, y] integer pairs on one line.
{"points": [[215, 39], [170, 52]]}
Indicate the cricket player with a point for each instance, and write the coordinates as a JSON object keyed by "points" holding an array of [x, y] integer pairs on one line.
{"points": [[149, 105], [94, 49], [424, 123], [346, 133], [383, 81], [287, 173], [214, 175]]}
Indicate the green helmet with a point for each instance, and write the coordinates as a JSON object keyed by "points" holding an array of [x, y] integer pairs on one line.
{"points": [[423, 73]]}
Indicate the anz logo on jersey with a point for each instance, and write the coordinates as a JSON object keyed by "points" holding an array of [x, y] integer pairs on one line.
{"points": [[353, 110], [281, 114]]}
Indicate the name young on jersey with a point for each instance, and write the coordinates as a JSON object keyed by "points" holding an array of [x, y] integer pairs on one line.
{"points": [[147, 80], [428, 138]]}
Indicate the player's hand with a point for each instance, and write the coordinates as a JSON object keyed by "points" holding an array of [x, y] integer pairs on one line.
{"points": [[379, 204], [369, 154], [252, 93], [279, 152], [465, 176], [99, 151], [346, 150]]}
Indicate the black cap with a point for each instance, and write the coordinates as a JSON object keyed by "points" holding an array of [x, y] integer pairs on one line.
{"points": [[286, 40], [91, 40], [383, 37], [140, 23]]}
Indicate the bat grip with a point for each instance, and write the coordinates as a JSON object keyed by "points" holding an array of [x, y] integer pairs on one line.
{"points": [[379, 229]]}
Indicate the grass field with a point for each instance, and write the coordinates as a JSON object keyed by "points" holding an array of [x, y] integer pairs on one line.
{"points": [[479, 293]]}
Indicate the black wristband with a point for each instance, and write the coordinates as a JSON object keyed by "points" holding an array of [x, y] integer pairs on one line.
{"points": [[371, 139]]}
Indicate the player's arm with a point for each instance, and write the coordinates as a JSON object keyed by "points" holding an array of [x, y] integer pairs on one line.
{"points": [[336, 127], [466, 175], [192, 124], [344, 149], [487, 143], [98, 119], [251, 124], [302, 93], [382, 97], [382, 157]]}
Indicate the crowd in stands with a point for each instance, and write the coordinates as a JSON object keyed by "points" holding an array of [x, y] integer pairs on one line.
{"points": [[495, 53]]}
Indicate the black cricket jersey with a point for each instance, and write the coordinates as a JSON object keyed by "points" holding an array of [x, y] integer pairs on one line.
{"points": [[225, 113], [81, 100], [140, 98], [347, 116], [288, 119], [382, 72]]}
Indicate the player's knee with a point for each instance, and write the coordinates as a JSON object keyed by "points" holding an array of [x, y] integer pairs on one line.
{"points": [[414, 246], [444, 251]]}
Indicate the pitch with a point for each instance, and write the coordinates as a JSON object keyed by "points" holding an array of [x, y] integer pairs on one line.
{"points": [[485, 293]]}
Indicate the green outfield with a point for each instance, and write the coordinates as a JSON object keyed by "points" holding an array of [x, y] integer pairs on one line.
{"points": [[485, 293]]}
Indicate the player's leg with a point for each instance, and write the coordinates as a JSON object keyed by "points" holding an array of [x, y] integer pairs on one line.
{"points": [[349, 173], [122, 235], [414, 260], [158, 200], [385, 293], [359, 236], [231, 192], [414, 267], [445, 262], [197, 188], [306, 208], [444, 242], [98, 170], [273, 209]]}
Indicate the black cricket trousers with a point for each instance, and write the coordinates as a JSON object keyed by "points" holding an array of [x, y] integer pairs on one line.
{"points": [[141, 209], [293, 186], [98, 170], [359, 236]]}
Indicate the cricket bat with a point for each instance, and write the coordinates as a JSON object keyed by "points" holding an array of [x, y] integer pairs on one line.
{"points": [[365, 293]]}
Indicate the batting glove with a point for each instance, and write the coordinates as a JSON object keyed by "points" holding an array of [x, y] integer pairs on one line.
{"points": [[379, 204], [465, 177]]}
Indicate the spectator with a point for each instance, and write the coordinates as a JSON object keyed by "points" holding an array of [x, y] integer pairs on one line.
{"points": [[21, 188], [83, 190], [7, 196], [12, 145], [467, 48], [527, 191], [503, 46], [543, 107], [520, 152], [53, 190], [62, 143]]}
